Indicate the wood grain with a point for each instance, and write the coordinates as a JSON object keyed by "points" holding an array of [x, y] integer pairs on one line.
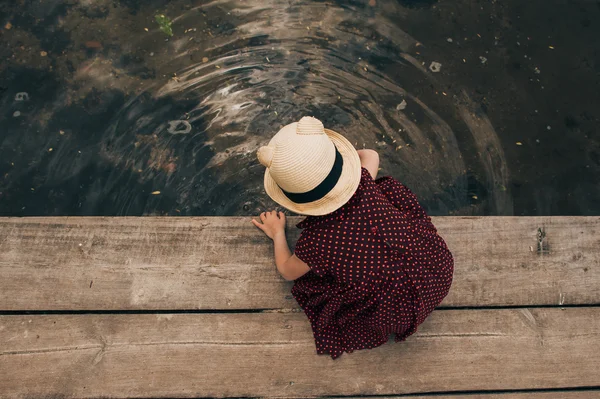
{"points": [[273, 354], [87, 263]]}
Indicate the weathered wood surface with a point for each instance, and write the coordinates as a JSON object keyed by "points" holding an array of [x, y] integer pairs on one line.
{"points": [[226, 263], [273, 354]]}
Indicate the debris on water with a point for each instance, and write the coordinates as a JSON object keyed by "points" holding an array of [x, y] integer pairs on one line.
{"points": [[43, 53], [519, 143], [93, 44], [8, 26], [537, 70], [17, 114], [151, 54], [381, 143], [205, 59], [549, 127], [61, 132], [483, 59], [146, 29], [50, 149], [179, 127], [401, 106], [551, 47], [155, 192], [165, 24], [474, 197], [435, 66], [449, 40], [170, 167], [537, 141], [22, 96]]}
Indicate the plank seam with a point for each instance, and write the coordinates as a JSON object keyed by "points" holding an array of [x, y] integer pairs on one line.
{"points": [[141, 311], [493, 307], [432, 394], [474, 392], [265, 310]]}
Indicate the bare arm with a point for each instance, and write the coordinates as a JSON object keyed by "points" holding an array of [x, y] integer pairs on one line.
{"points": [[288, 265], [369, 159]]}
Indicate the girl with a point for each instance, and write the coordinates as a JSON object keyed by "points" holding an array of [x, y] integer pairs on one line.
{"points": [[368, 262]]}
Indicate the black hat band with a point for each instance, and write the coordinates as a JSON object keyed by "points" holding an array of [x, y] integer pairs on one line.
{"points": [[324, 187]]}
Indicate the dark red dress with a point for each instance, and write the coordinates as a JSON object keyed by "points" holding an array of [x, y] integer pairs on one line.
{"points": [[378, 267]]}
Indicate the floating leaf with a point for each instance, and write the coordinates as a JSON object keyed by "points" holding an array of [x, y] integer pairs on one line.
{"points": [[165, 24], [155, 192]]}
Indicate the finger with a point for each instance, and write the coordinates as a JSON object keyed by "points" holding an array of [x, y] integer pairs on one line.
{"points": [[263, 216], [259, 225], [274, 212], [282, 215]]}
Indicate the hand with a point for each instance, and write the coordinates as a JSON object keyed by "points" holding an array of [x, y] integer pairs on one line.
{"points": [[273, 223]]}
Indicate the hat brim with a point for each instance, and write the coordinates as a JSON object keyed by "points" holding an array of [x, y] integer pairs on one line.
{"points": [[338, 196]]}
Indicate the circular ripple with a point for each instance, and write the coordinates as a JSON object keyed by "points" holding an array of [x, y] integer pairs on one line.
{"points": [[259, 66]]}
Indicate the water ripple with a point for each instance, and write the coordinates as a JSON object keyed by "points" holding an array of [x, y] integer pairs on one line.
{"points": [[276, 64], [265, 64]]}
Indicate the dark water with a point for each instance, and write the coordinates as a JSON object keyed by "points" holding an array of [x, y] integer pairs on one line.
{"points": [[121, 119]]}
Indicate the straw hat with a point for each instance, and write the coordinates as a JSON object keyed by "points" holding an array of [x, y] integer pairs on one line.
{"points": [[310, 170]]}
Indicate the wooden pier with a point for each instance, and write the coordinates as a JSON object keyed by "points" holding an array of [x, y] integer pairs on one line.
{"points": [[194, 307]]}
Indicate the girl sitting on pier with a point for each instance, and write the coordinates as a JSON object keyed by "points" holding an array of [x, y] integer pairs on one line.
{"points": [[368, 262]]}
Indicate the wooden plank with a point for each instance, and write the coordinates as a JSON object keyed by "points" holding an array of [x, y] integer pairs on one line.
{"points": [[273, 354], [226, 263]]}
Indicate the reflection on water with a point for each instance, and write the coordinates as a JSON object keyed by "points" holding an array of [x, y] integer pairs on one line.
{"points": [[184, 115]]}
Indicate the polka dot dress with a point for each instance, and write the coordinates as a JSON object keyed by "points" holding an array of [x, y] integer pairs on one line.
{"points": [[378, 267]]}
